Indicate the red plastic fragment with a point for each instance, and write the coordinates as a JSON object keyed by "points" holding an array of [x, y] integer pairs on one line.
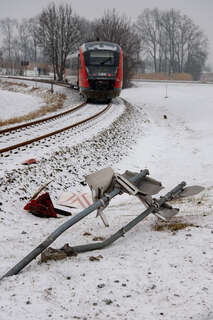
{"points": [[42, 206], [29, 161]]}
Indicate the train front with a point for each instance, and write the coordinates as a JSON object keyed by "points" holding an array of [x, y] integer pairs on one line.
{"points": [[100, 70]]}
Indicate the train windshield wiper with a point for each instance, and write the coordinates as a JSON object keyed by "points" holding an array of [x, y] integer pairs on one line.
{"points": [[105, 60]]}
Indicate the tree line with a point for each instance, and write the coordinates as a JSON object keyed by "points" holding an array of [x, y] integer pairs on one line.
{"points": [[159, 41], [172, 42]]}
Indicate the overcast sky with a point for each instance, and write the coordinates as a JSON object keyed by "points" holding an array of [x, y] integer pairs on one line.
{"points": [[200, 11]]}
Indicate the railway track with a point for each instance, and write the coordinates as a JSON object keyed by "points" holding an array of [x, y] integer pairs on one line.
{"points": [[11, 134], [52, 133], [32, 123], [52, 82]]}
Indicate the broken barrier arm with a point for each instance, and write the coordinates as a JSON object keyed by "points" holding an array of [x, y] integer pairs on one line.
{"points": [[54, 235], [154, 207]]}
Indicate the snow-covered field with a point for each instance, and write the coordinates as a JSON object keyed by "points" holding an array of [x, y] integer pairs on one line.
{"points": [[148, 274], [17, 104]]}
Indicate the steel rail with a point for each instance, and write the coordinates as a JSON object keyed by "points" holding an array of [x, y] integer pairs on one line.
{"points": [[64, 84], [44, 119], [22, 144], [31, 123]]}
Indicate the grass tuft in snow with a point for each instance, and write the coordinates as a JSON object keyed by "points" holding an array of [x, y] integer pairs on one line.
{"points": [[52, 102], [173, 226]]}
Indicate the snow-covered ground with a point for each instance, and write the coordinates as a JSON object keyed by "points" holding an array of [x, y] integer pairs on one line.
{"points": [[180, 145], [148, 274], [17, 104], [27, 97]]}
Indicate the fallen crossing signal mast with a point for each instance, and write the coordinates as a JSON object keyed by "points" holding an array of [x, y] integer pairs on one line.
{"points": [[105, 185]]}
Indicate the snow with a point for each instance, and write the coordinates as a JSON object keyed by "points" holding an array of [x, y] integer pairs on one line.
{"points": [[17, 104], [148, 274], [182, 142], [100, 46]]}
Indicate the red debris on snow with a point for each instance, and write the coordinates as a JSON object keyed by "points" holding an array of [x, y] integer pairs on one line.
{"points": [[29, 161], [42, 206]]}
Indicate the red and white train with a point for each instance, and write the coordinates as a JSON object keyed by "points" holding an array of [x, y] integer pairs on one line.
{"points": [[97, 70]]}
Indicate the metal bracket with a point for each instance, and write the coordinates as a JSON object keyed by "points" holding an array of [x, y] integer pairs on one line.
{"points": [[127, 185]]}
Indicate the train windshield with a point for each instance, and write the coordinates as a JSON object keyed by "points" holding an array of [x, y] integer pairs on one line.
{"points": [[101, 58]]}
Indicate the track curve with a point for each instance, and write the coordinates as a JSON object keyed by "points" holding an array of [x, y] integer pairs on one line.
{"points": [[24, 143], [31, 123]]}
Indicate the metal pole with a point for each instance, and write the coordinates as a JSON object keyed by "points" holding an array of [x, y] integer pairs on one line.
{"points": [[53, 236], [166, 96], [100, 245]]}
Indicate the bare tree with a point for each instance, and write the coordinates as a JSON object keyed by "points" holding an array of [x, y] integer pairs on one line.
{"points": [[19, 43], [172, 41], [170, 22], [196, 53], [149, 28], [8, 26], [25, 42], [58, 35], [33, 26], [86, 28], [115, 28]]}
